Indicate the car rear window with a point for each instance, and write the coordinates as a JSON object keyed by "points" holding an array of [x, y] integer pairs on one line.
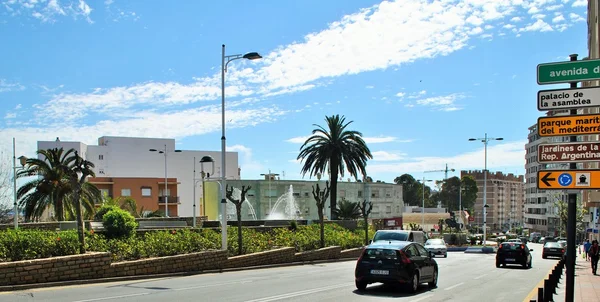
{"points": [[380, 254], [511, 246], [391, 236], [552, 244]]}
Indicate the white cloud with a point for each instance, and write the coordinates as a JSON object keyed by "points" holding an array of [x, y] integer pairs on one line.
{"points": [[538, 16], [249, 167], [515, 19], [386, 156], [400, 94], [367, 139], [509, 154], [558, 19], [554, 7], [539, 25], [576, 18], [533, 10], [6, 86], [580, 3], [49, 11], [10, 116], [443, 103], [369, 86], [508, 26]]}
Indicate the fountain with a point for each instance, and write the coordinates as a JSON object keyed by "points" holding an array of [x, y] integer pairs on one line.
{"points": [[231, 213], [289, 210]]}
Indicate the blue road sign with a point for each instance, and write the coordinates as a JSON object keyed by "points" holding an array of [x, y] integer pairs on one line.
{"points": [[565, 179]]}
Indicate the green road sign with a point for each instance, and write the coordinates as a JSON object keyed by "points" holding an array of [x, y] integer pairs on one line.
{"points": [[569, 71]]}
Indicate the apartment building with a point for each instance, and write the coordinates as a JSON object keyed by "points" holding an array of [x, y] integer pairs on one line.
{"points": [[125, 166], [505, 199]]}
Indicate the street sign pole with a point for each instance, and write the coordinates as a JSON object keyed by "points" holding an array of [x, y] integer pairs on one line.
{"points": [[571, 220]]}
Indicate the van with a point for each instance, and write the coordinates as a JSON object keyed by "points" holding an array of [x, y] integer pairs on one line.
{"points": [[400, 235]]}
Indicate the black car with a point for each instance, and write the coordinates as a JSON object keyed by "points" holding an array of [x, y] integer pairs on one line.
{"points": [[513, 253], [553, 249], [396, 263]]}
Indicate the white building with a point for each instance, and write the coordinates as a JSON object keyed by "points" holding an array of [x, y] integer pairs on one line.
{"points": [[129, 157]]}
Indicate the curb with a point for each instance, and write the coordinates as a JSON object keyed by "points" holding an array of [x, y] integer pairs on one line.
{"points": [[8, 288]]}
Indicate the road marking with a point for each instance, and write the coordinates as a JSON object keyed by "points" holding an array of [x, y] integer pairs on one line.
{"points": [[213, 285], [422, 298], [299, 293], [533, 292], [454, 286], [113, 297], [479, 277]]}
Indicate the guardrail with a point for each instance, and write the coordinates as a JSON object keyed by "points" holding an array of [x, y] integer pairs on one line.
{"points": [[546, 293]]}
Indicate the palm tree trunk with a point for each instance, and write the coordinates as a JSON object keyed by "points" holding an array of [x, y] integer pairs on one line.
{"points": [[60, 210], [238, 208], [322, 226], [80, 226], [333, 196]]}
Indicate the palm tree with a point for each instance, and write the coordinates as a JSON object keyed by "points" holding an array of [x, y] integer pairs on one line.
{"points": [[336, 150], [347, 210]]}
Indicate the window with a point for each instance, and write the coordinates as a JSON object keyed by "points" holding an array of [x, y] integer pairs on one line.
{"points": [[101, 157], [305, 194], [388, 209], [359, 193], [270, 193], [375, 194], [100, 171], [125, 192], [421, 250], [146, 192]]}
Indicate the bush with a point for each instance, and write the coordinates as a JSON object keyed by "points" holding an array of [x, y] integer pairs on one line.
{"points": [[103, 210], [18, 245], [119, 223]]}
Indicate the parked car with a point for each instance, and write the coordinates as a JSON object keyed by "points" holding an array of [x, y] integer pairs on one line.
{"points": [[553, 249], [515, 240], [513, 253], [396, 262], [437, 246], [563, 243], [400, 235]]}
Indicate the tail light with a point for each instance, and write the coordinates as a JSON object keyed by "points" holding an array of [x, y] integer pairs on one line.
{"points": [[563, 251], [405, 259]]}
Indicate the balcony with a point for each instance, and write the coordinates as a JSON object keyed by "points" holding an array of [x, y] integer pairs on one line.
{"points": [[170, 199]]}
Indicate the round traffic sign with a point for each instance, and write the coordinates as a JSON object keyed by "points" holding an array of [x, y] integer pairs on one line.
{"points": [[565, 179]]}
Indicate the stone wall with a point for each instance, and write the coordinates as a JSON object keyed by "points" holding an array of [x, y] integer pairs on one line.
{"points": [[351, 253], [276, 256], [193, 262], [331, 252]]}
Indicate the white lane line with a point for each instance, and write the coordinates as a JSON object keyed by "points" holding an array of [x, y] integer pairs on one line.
{"points": [[479, 277], [213, 285], [300, 293], [421, 298], [113, 297], [454, 286]]}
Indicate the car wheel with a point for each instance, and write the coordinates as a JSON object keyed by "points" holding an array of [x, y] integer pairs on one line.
{"points": [[414, 284], [433, 283], [446, 255], [530, 264], [361, 285], [498, 264], [544, 256]]}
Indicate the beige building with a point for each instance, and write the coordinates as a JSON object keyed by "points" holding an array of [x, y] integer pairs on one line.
{"points": [[505, 198]]}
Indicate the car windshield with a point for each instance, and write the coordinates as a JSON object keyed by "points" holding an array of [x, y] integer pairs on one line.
{"points": [[380, 254], [391, 236], [552, 244], [435, 242]]}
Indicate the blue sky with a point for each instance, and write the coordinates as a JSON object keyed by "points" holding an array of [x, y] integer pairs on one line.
{"points": [[418, 78]]}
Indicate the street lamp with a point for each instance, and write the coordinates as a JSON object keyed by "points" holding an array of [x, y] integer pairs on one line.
{"points": [[224, 62], [270, 175], [166, 197], [423, 205], [22, 161], [204, 159], [485, 141]]}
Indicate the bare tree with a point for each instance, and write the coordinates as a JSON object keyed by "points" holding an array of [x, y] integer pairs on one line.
{"points": [[365, 209], [6, 188], [321, 198], [238, 208]]}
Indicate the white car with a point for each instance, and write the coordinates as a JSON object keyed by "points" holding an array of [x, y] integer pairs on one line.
{"points": [[437, 247]]}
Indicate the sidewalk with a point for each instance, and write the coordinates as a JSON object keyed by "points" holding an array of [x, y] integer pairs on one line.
{"points": [[587, 285]]}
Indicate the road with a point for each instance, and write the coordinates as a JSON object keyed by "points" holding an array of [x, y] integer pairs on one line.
{"points": [[463, 277]]}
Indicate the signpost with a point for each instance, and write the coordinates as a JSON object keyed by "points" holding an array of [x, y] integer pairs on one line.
{"points": [[568, 179], [568, 152], [569, 125], [556, 99], [569, 71]]}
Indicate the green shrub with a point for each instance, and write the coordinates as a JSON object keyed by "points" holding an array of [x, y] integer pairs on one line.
{"points": [[103, 210], [18, 245], [119, 223]]}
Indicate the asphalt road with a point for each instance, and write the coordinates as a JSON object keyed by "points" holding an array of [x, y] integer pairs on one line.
{"points": [[463, 277]]}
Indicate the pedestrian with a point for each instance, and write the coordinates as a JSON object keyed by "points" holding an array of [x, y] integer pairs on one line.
{"points": [[594, 253], [586, 247]]}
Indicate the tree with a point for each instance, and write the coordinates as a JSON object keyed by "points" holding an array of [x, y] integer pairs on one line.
{"points": [[6, 189], [238, 209], [430, 197], [335, 150], [365, 209], [320, 199], [450, 189], [410, 189], [347, 210], [563, 215], [129, 204], [78, 172]]}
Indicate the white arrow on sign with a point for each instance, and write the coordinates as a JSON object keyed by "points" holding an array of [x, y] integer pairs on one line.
{"points": [[568, 98]]}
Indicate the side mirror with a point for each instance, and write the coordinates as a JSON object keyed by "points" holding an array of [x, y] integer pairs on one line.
{"points": [[370, 241], [531, 250]]}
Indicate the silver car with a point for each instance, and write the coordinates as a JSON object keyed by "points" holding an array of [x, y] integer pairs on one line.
{"points": [[437, 247]]}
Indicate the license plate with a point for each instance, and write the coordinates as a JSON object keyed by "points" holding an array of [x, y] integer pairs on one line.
{"points": [[379, 272], [553, 250], [510, 259]]}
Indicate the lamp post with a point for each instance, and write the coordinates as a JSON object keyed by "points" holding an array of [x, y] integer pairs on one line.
{"points": [[224, 62], [423, 205], [270, 175], [204, 159], [166, 197], [22, 161], [485, 141]]}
